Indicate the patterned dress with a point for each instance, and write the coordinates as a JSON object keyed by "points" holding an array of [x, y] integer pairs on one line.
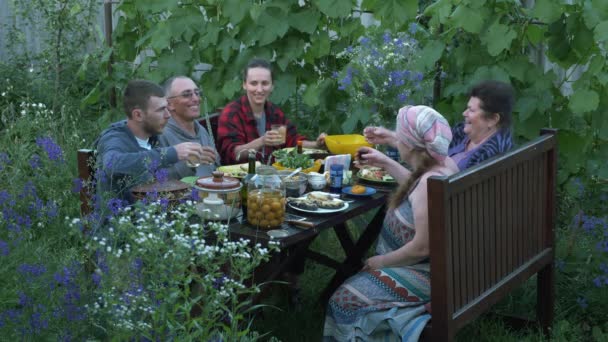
{"points": [[385, 304]]}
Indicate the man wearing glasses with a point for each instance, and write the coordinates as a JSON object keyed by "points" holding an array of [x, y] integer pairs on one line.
{"points": [[183, 102], [128, 152]]}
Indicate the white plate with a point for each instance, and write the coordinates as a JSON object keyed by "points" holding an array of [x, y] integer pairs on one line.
{"points": [[320, 210], [277, 233]]}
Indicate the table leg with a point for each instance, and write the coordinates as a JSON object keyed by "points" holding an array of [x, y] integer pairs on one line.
{"points": [[354, 252]]}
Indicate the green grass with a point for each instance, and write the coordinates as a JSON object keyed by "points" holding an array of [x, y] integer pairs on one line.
{"points": [[288, 324]]}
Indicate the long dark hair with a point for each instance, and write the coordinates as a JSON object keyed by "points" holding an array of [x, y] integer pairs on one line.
{"points": [[426, 163]]}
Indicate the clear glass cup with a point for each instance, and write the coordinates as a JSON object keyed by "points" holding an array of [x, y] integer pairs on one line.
{"points": [[282, 130], [193, 161]]}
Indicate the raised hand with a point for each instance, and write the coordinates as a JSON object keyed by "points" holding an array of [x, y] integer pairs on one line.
{"points": [[189, 151], [379, 135]]}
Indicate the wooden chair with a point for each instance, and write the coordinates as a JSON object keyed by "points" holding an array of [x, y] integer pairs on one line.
{"points": [[492, 228]]}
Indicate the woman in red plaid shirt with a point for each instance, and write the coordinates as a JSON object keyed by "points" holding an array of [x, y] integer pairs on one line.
{"points": [[246, 123]]}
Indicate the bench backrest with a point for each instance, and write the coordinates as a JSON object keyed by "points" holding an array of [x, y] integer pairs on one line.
{"points": [[491, 228]]}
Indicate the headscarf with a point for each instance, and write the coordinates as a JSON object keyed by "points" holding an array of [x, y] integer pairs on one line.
{"points": [[423, 127]]}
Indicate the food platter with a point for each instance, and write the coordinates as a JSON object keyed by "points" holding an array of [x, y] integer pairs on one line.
{"points": [[368, 191], [376, 175], [316, 200], [236, 171], [308, 150]]}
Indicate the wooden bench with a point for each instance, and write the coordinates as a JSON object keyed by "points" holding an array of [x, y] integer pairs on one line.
{"points": [[491, 228]]}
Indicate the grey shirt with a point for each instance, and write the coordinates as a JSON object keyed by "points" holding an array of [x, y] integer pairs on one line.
{"points": [[173, 135]]}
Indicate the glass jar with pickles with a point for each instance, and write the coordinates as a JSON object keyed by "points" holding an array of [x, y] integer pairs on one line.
{"points": [[265, 199]]}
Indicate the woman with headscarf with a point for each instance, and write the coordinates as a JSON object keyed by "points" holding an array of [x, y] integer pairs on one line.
{"points": [[484, 133], [386, 298]]}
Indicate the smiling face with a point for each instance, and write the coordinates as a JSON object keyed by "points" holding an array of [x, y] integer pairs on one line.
{"points": [[184, 99], [477, 123], [258, 86], [155, 117]]}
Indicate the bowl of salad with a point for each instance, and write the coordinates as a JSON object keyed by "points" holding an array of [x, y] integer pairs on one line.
{"points": [[291, 160]]}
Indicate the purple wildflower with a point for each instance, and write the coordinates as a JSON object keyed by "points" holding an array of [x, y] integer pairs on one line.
{"points": [[164, 203], [602, 246], [4, 249], [4, 160], [413, 28], [31, 269], [29, 189], [597, 281], [115, 205], [604, 268], [386, 37], [350, 49], [161, 175], [52, 210], [77, 185], [96, 277], [35, 161], [365, 41], [582, 302], [194, 194], [4, 197], [24, 300], [53, 150], [37, 323]]}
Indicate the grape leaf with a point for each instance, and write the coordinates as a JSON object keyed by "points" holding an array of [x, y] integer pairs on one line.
{"points": [[430, 54], [231, 87], [306, 21], [334, 8], [396, 11], [284, 86], [311, 95], [235, 10], [467, 18], [535, 33], [547, 10], [439, 9], [525, 106], [583, 101], [601, 31], [498, 38]]}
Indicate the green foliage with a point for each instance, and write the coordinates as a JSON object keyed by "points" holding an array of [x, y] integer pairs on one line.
{"points": [[164, 274], [383, 73]]}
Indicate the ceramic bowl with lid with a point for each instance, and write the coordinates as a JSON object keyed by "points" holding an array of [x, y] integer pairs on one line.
{"points": [[220, 197], [317, 181]]}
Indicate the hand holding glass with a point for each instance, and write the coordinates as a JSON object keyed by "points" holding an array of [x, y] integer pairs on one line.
{"points": [[282, 130]]}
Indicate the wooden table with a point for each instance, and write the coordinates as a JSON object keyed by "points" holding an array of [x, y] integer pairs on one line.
{"points": [[299, 240]]}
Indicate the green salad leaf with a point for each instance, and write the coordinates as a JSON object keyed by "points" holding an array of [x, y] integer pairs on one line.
{"points": [[292, 160]]}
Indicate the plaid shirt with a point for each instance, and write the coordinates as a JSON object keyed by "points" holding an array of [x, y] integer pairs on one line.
{"points": [[237, 126]]}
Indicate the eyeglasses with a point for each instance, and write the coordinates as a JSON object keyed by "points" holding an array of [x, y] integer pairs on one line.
{"points": [[187, 94]]}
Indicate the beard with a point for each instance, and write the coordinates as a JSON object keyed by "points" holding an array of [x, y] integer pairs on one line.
{"points": [[151, 129]]}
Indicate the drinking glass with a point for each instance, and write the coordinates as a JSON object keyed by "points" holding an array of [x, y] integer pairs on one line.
{"points": [[282, 130]]}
